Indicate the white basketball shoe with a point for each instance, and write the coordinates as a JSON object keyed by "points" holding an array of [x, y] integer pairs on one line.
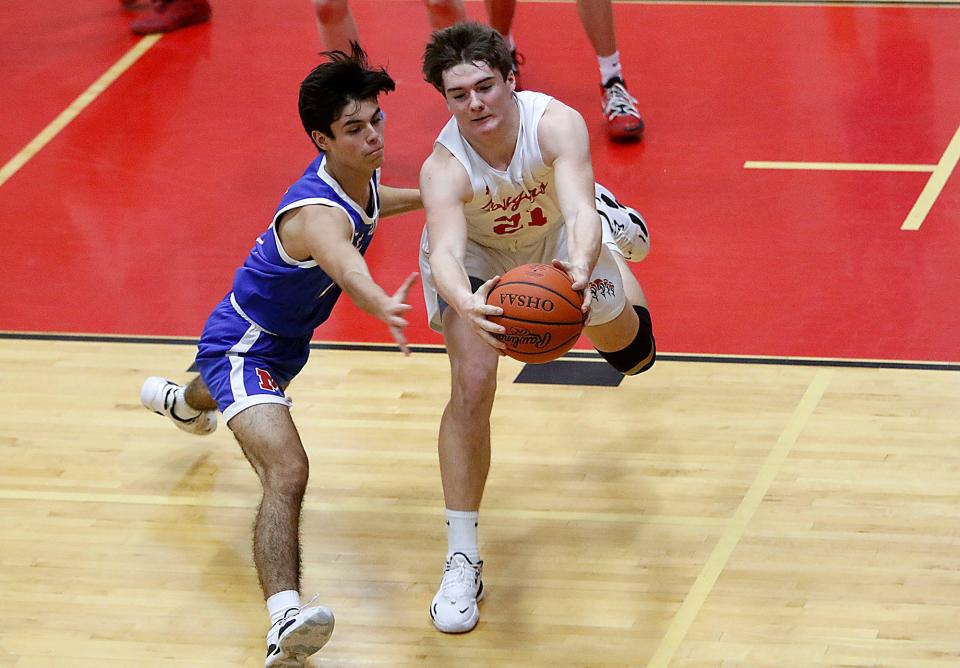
{"points": [[298, 635], [624, 229], [454, 609], [159, 395]]}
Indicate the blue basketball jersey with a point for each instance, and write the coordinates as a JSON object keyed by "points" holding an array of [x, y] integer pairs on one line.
{"points": [[288, 297]]}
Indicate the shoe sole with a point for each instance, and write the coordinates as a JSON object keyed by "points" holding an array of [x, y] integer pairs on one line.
{"points": [[307, 639]]}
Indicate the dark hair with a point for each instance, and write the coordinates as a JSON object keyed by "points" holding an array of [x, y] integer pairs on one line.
{"points": [[469, 43], [333, 85]]}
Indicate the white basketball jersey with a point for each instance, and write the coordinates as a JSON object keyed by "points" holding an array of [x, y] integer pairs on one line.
{"points": [[516, 207]]}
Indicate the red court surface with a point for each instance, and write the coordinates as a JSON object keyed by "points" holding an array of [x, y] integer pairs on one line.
{"points": [[132, 220]]}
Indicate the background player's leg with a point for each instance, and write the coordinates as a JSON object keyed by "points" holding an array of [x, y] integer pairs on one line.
{"points": [[336, 24], [597, 19], [500, 15], [620, 108], [444, 13]]}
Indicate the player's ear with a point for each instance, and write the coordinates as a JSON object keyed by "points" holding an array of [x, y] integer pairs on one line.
{"points": [[321, 140], [512, 80]]}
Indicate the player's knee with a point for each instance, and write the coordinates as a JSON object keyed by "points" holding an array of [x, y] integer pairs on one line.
{"points": [[330, 11], [474, 387], [641, 354], [287, 478]]}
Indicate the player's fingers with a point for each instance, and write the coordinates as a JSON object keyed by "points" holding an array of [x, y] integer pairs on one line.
{"points": [[487, 336], [488, 309], [587, 302], [485, 289], [397, 321], [405, 286], [488, 326], [400, 340], [562, 266], [494, 342]]}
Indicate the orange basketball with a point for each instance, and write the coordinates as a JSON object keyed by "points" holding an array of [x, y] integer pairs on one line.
{"points": [[541, 312]]}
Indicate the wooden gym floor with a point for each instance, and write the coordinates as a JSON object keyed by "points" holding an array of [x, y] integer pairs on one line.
{"points": [[780, 491]]}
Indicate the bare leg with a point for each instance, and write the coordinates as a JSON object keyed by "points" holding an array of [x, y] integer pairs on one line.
{"points": [[336, 24], [596, 16], [500, 14], [616, 334], [198, 396], [464, 443], [444, 13], [631, 287], [270, 442]]}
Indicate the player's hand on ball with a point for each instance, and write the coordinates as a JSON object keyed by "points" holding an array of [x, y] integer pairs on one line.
{"points": [[580, 278], [476, 311], [393, 313]]}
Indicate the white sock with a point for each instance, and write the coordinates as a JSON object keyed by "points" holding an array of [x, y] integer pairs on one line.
{"points": [[280, 602], [610, 67], [462, 533], [181, 408]]}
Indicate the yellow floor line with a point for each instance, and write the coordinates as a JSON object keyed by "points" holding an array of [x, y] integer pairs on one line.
{"points": [[67, 115], [728, 540], [934, 185], [838, 166]]}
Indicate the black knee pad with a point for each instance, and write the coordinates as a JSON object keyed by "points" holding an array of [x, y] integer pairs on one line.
{"points": [[641, 353]]}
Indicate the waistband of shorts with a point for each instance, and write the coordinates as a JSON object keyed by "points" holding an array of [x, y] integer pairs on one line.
{"points": [[236, 307]]}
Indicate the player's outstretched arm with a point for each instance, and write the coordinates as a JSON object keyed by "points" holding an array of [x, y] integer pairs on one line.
{"points": [[565, 143], [445, 188], [394, 201], [325, 234]]}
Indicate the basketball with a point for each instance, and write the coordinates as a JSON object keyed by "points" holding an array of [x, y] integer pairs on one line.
{"points": [[541, 312]]}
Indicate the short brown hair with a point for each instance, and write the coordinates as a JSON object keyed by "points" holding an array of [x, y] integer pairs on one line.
{"points": [[468, 43]]}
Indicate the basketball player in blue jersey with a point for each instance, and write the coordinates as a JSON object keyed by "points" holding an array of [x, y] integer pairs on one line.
{"points": [[509, 182], [257, 339]]}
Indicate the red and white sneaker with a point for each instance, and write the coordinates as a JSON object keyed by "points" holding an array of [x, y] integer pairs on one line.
{"points": [[623, 120], [169, 15]]}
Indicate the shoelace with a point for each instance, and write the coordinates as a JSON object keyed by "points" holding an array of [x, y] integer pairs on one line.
{"points": [[459, 577], [618, 102]]}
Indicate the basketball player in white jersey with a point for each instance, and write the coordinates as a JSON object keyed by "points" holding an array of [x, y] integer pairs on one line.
{"points": [[509, 182]]}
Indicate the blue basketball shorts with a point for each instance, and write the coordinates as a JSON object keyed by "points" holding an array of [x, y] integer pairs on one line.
{"points": [[242, 364]]}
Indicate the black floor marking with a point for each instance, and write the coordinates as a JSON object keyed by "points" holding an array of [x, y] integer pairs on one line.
{"points": [[570, 372]]}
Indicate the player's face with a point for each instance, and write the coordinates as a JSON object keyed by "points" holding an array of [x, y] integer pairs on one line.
{"points": [[478, 97], [357, 136]]}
